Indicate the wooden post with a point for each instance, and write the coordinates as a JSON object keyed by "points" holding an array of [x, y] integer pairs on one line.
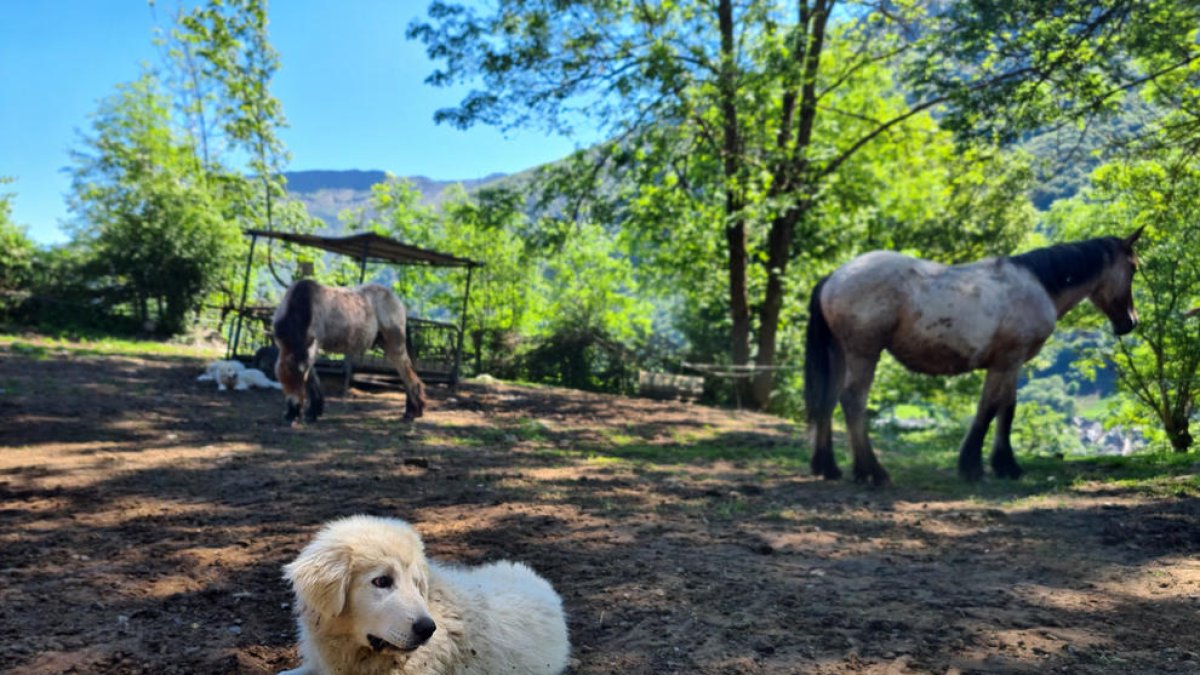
{"points": [[362, 268], [237, 329], [462, 329], [347, 360]]}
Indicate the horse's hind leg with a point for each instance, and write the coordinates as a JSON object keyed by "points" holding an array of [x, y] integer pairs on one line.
{"points": [[998, 397], [860, 372], [824, 462]]}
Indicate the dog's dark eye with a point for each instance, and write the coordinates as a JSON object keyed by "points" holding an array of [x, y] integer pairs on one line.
{"points": [[382, 581]]}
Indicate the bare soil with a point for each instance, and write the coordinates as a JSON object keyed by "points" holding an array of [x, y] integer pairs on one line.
{"points": [[144, 519]]}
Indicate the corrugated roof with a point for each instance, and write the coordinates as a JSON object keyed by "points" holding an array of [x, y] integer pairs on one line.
{"points": [[374, 247]]}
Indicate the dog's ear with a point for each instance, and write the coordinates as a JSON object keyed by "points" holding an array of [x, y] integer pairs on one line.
{"points": [[423, 577], [320, 575]]}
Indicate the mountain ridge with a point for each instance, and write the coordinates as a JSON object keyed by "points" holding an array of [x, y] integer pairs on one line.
{"points": [[326, 193]]}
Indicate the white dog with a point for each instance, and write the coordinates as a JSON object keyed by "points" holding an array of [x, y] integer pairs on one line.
{"points": [[234, 375], [369, 602], [253, 377]]}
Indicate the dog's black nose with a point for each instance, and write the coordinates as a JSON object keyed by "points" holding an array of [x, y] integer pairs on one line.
{"points": [[423, 628]]}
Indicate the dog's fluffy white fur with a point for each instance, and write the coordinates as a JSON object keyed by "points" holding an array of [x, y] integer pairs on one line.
{"points": [[369, 602], [234, 375], [253, 377]]}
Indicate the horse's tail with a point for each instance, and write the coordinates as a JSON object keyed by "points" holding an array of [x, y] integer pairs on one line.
{"points": [[292, 323], [820, 352]]}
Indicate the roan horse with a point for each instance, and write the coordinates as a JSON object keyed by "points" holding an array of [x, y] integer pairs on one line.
{"points": [[344, 320], [993, 314]]}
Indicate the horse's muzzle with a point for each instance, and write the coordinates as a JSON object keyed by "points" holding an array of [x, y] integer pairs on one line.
{"points": [[1126, 326]]}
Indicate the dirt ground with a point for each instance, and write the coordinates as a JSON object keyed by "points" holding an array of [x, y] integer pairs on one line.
{"points": [[144, 519]]}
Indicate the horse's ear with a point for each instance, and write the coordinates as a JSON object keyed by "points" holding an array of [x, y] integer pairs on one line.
{"points": [[1132, 239]]}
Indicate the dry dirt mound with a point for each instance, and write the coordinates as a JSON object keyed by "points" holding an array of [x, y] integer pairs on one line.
{"points": [[146, 517]]}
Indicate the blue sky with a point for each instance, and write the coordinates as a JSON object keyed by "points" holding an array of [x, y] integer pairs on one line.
{"points": [[350, 83]]}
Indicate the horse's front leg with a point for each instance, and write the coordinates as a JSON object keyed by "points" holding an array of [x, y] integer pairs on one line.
{"points": [[999, 394], [860, 372], [1004, 463], [316, 400], [292, 412]]}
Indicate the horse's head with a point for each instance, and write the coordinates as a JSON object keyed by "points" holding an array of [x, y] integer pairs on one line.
{"points": [[292, 369], [1114, 291]]}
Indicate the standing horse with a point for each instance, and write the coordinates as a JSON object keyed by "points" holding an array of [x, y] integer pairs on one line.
{"points": [[344, 320], [993, 314]]}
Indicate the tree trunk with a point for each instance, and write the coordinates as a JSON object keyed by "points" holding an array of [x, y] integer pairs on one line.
{"points": [[739, 305], [792, 177], [735, 223], [779, 246], [1178, 434]]}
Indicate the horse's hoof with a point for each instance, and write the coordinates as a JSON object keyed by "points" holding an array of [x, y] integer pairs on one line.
{"points": [[827, 471], [1011, 472], [972, 474], [878, 477]]}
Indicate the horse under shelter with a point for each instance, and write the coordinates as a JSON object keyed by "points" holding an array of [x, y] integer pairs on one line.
{"points": [[434, 346]]}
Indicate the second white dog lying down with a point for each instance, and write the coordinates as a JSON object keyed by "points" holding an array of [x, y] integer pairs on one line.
{"points": [[234, 375], [253, 377], [369, 602]]}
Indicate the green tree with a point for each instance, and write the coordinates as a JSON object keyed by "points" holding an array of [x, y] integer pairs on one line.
{"points": [[221, 62], [1010, 66], [153, 229], [17, 253], [507, 292], [754, 113], [1159, 365], [225, 63], [560, 284]]}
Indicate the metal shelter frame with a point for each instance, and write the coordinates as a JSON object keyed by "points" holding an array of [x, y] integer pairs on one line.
{"points": [[365, 247]]}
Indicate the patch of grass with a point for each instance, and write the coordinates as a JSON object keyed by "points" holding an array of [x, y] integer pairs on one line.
{"points": [[791, 458], [449, 440], [727, 509], [618, 438], [42, 347], [689, 436], [36, 352], [529, 429], [936, 470], [603, 460], [907, 411]]}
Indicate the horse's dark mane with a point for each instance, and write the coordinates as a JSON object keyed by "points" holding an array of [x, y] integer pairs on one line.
{"points": [[1064, 266], [291, 330]]}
